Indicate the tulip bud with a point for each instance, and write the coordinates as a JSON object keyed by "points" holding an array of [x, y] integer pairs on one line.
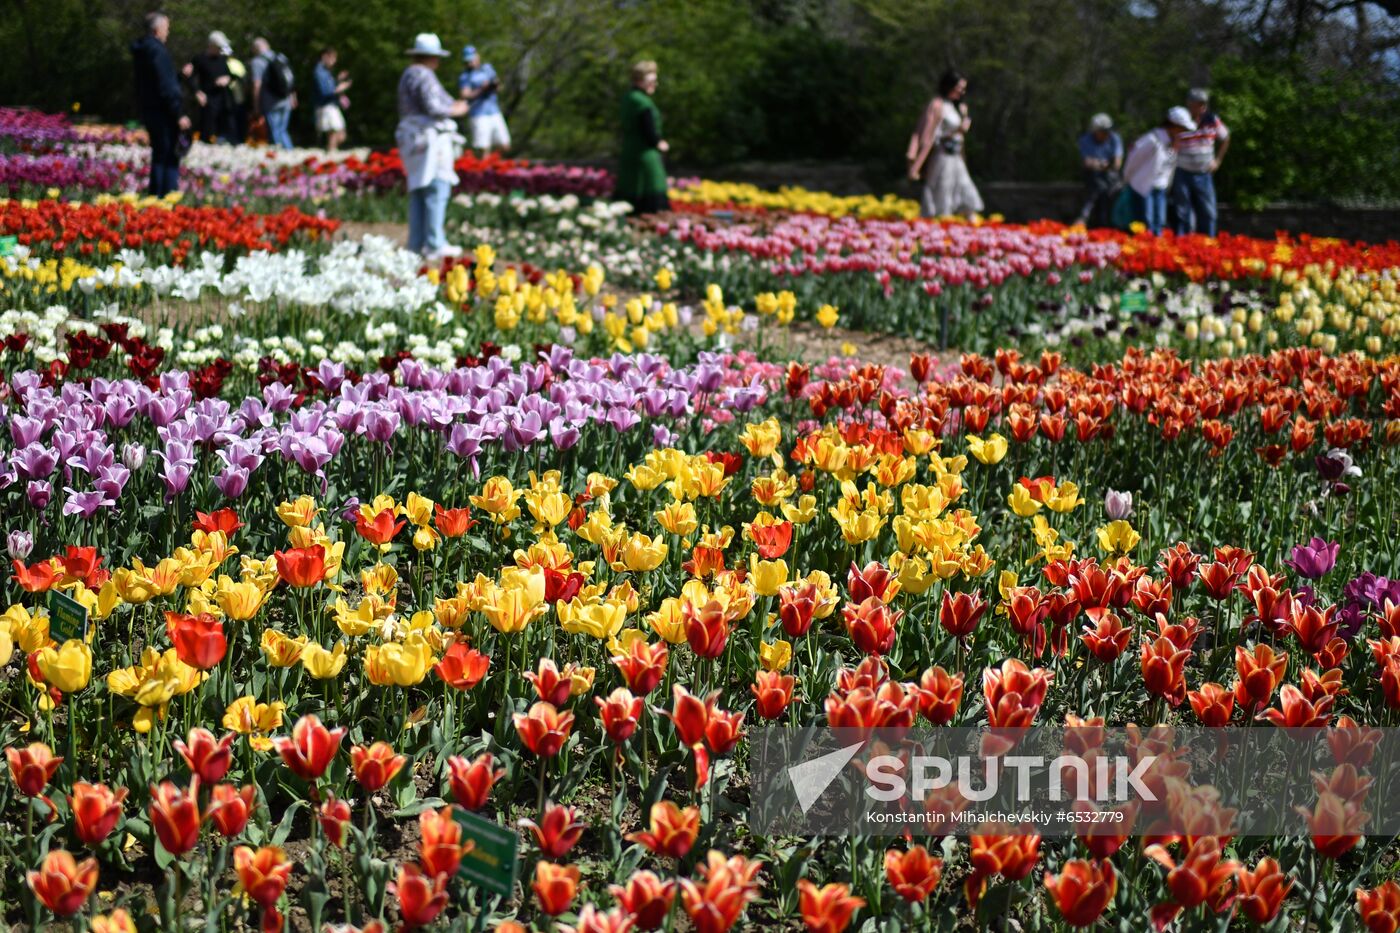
{"points": [[1117, 505], [20, 545], [134, 456]]}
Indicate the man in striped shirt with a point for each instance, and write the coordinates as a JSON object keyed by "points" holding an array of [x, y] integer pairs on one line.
{"points": [[1197, 158]]}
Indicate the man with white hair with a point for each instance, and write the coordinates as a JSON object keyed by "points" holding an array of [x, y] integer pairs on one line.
{"points": [[1101, 154], [161, 102], [274, 91]]}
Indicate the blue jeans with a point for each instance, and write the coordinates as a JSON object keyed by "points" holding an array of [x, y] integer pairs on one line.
{"points": [[1151, 209], [164, 133], [277, 119], [1193, 197], [427, 208]]}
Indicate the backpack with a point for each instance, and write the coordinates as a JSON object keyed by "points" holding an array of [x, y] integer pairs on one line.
{"points": [[278, 79]]}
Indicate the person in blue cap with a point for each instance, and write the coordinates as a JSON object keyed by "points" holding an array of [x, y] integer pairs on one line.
{"points": [[478, 85]]}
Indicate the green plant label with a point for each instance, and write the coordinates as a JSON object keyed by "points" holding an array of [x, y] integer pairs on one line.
{"points": [[491, 863], [68, 618], [8, 244], [1136, 302]]}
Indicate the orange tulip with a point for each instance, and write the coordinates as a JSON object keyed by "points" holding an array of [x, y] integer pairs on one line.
{"points": [[1199, 876], [913, 873], [421, 897], [310, 748], [552, 685], [727, 887], [827, 909], [673, 830], [1260, 892], [462, 667], [871, 625], [1297, 711], [440, 849], [772, 541], [96, 810], [706, 628], [375, 766], [1336, 825], [1380, 907], [555, 886], [452, 523], [1164, 669], [557, 831], [960, 613], [32, 768], [262, 873], [772, 693], [301, 567], [1082, 890], [471, 782], [1212, 704], [1260, 672], [381, 529], [63, 884]]}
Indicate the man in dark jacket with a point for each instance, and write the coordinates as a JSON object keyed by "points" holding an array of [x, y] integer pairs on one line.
{"points": [[160, 101]]}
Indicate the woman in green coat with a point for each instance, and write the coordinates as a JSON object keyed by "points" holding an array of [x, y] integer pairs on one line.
{"points": [[641, 174]]}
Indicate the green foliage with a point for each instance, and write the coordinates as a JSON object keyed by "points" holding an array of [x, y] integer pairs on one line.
{"points": [[786, 79]]}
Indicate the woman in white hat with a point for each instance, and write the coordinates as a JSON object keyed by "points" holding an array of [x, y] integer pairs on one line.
{"points": [[428, 143], [1151, 165]]}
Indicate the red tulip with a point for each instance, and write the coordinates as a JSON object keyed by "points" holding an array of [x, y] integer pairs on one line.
{"points": [[796, 606], [1212, 704], [557, 831], [309, 750], [175, 816], [381, 529], [375, 766], [1260, 671], [208, 757], [224, 520], [873, 580], [1164, 669], [1297, 711], [619, 713], [1380, 907], [452, 523], [1336, 825], [230, 807], [1260, 892], [96, 810], [706, 628], [471, 782], [334, 817], [552, 685], [871, 625], [301, 567], [199, 640], [723, 731], [544, 729], [646, 898], [1082, 890], [940, 695], [691, 715], [32, 768], [827, 909], [959, 613], [642, 665], [673, 830], [728, 885], [772, 541], [63, 884]]}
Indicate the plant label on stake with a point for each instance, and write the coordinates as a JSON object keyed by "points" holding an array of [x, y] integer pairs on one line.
{"points": [[68, 618], [491, 862], [1135, 302], [8, 244]]}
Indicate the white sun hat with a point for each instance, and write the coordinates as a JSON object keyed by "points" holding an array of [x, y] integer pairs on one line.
{"points": [[427, 43]]}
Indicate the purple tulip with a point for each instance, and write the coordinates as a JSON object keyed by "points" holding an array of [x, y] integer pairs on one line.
{"points": [[86, 503], [20, 544], [232, 482], [1117, 505], [1314, 559], [134, 456], [39, 492]]}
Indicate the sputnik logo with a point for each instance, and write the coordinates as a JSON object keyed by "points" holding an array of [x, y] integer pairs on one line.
{"points": [[810, 779]]}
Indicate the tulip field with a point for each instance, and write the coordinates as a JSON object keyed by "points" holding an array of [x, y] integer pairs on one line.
{"points": [[351, 592]]}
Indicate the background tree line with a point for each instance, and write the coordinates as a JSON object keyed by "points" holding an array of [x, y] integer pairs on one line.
{"points": [[1310, 87]]}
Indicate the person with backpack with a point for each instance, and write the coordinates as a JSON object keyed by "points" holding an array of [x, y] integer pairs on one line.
{"points": [[274, 91]]}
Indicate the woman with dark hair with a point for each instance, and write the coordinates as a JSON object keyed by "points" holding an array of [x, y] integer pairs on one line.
{"points": [[935, 152]]}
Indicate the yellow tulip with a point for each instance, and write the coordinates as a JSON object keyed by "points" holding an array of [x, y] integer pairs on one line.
{"points": [[668, 621], [69, 668], [322, 664], [989, 451], [775, 656], [418, 509], [1064, 497], [402, 664], [280, 649], [1118, 537], [1021, 502], [601, 620], [767, 575], [641, 554], [246, 716], [298, 514], [498, 499], [678, 518], [239, 601], [762, 438]]}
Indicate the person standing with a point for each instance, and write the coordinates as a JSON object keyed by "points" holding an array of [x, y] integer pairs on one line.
{"points": [[212, 82], [1101, 155], [160, 101], [1197, 160], [641, 170], [428, 145], [1150, 166], [479, 86], [330, 99], [274, 91], [935, 152]]}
